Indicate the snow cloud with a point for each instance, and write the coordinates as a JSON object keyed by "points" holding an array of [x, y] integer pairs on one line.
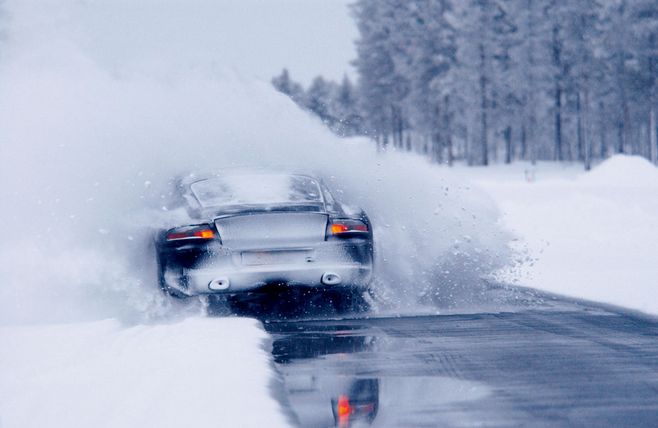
{"points": [[90, 146]]}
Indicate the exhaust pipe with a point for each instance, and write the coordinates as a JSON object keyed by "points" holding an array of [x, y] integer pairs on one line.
{"points": [[219, 284], [330, 278]]}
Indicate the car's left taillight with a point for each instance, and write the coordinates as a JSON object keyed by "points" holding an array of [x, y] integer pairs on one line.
{"points": [[347, 227], [343, 411], [198, 232]]}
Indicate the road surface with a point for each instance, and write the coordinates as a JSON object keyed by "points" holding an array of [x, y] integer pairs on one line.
{"points": [[543, 362]]}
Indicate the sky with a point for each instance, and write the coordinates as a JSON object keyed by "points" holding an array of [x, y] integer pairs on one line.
{"points": [[309, 37]]}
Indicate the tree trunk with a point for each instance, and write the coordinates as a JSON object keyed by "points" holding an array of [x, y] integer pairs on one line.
{"points": [[393, 126], [652, 134], [533, 143], [468, 146], [603, 137], [558, 123], [524, 143], [436, 139], [400, 128], [447, 127], [484, 140], [627, 126], [579, 126], [587, 141], [436, 133], [449, 149], [557, 62], [508, 144]]}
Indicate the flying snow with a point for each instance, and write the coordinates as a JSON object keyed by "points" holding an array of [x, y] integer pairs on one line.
{"points": [[90, 148]]}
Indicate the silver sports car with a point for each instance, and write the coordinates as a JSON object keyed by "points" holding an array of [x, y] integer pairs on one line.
{"points": [[248, 230]]}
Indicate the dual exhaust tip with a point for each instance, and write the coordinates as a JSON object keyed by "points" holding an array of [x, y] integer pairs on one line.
{"points": [[222, 284]]}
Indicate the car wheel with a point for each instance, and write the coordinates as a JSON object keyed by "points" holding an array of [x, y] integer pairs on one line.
{"points": [[162, 283]]}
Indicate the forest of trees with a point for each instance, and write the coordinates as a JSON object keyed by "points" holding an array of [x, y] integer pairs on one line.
{"points": [[498, 80]]}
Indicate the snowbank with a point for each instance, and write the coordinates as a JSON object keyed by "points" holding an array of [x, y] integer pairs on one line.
{"points": [[593, 237], [623, 171], [197, 372]]}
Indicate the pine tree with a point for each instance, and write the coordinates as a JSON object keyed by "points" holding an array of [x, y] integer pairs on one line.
{"points": [[284, 84], [474, 79], [431, 68], [644, 14], [483, 28], [318, 100], [345, 109], [382, 88]]}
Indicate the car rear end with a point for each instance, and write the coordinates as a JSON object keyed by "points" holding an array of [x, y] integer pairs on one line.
{"points": [[294, 243]]}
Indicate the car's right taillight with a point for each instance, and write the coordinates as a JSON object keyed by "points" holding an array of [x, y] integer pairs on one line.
{"points": [[200, 232], [347, 227]]}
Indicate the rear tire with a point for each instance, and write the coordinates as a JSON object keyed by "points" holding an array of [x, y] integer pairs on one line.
{"points": [[162, 283]]}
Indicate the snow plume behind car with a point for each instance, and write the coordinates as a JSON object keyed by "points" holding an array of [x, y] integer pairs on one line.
{"points": [[90, 150]]}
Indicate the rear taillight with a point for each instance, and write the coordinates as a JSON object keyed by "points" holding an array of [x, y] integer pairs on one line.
{"points": [[347, 227], [343, 411], [203, 232]]}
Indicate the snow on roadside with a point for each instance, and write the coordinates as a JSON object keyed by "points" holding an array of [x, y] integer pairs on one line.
{"points": [[197, 372], [593, 236]]}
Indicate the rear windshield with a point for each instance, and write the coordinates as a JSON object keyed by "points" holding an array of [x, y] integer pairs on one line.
{"points": [[259, 189]]}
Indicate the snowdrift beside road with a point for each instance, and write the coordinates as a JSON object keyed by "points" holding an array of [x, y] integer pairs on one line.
{"points": [[623, 171], [196, 373], [593, 237]]}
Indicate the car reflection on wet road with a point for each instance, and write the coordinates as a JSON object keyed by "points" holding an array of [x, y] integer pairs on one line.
{"points": [[336, 399], [564, 364]]}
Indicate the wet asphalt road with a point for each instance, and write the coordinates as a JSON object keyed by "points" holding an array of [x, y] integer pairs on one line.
{"points": [[559, 363]]}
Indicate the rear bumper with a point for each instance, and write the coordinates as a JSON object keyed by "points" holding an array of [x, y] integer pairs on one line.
{"points": [[207, 281], [342, 264]]}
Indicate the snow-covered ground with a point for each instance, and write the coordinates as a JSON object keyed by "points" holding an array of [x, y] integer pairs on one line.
{"points": [[591, 235], [197, 372]]}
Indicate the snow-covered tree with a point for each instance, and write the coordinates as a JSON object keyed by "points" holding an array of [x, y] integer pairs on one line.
{"points": [[284, 84], [382, 87], [431, 67], [484, 28], [345, 108], [317, 99], [644, 15], [477, 79]]}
